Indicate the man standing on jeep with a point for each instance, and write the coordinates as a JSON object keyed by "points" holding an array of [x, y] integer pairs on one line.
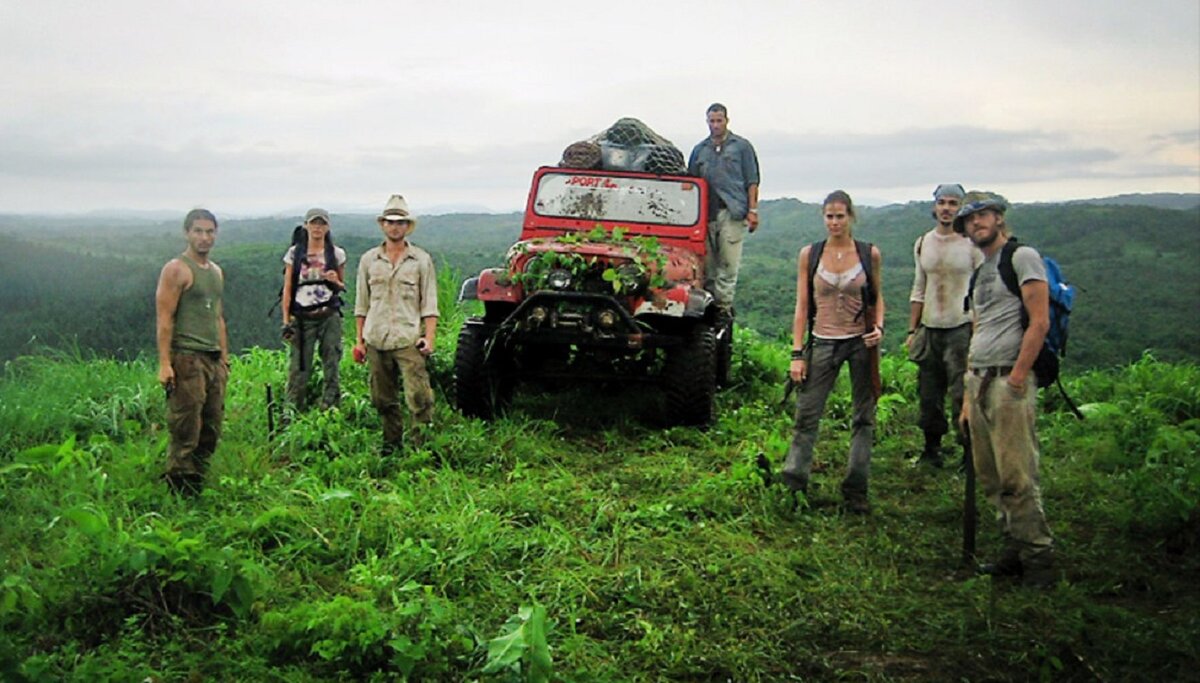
{"points": [[939, 331], [730, 166], [396, 312]]}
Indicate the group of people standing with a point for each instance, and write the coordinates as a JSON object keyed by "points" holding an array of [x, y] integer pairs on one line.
{"points": [[971, 336], [395, 312]]}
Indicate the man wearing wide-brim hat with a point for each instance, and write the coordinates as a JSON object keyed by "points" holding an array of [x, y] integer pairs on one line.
{"points": [[396, 312]]}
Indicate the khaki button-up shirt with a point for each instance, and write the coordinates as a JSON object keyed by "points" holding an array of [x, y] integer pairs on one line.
{"points": [[395, 297]]}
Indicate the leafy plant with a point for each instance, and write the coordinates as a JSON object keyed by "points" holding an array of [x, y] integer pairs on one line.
{"points": [[522, 645]]}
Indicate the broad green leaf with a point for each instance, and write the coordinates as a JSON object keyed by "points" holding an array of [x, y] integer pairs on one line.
{"points": [[38, 455], [89, 521], [505, 651], [221, 582], [540, 664], [335, 494]]}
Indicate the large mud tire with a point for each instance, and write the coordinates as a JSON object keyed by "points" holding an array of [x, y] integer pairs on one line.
{"points": [[690, 378], [481, 387]]}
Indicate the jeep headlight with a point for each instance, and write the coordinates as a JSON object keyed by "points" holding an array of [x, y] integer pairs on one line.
{"points": [[558, 279], [632, 277]]}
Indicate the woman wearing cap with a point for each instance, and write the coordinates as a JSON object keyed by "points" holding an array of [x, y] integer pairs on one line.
{"points": [[847, 326], [313, 279]]}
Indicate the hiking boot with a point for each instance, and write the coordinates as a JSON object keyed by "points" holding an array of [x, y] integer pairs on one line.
{"points": [[931, 455], [793, 483], [934, 461], [857, 503], [184, 484], [1041, 577], [1039, 570], [1009, 564]]}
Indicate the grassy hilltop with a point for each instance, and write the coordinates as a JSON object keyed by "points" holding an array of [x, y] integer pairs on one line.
{"points": [[574, 540]]}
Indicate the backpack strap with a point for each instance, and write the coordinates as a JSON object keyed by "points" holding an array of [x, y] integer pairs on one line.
{"points": [[332, 264], [816, 249], [864, 257], [1008, 275]]}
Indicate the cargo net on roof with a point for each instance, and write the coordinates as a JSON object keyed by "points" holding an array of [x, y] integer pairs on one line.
{"points": [[627, 145]]}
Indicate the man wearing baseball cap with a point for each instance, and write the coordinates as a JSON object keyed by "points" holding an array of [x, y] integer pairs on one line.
{"points": [[1001, 390], [396, 313], [939, 331]]}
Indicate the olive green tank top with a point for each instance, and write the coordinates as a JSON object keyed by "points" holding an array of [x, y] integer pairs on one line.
{"points": [[196, 318]]}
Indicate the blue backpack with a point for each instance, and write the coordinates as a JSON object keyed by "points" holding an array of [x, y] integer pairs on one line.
{"points": [[1062, 300]]}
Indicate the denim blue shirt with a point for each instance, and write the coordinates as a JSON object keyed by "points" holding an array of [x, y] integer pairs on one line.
{"points": [[729, 172]]}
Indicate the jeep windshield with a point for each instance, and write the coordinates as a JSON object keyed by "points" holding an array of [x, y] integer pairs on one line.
{"points": [[617, 198]]}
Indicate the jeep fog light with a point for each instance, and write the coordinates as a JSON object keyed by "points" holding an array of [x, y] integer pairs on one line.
{"points": [[606, 319], [558, 279]]}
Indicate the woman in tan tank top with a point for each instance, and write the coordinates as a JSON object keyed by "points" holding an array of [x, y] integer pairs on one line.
{"points": [[841, 334]]}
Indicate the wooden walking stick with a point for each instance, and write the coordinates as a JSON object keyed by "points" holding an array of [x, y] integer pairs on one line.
{"points": [[969, 512], [270, 414]]}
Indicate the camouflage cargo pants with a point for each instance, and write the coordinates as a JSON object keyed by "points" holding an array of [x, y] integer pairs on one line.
{"points": [[195, 408]]}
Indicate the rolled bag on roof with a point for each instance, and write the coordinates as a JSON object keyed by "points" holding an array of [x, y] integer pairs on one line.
{"points": [[627, 145]]}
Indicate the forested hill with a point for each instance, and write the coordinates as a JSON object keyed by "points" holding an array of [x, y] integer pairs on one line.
{"points": [[92, 280]]}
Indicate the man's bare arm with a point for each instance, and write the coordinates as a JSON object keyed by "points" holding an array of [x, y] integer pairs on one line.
{"points": [[1035, 294], [172, 282]]}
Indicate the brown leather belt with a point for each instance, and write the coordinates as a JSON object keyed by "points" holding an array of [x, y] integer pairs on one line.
{"points": [[992, 371]]}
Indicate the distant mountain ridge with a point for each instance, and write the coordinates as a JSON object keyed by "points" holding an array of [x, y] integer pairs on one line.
{"points": [[1184, 201], [1134, 264]]}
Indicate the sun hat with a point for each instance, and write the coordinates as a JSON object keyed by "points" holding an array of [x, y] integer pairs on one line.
{"points": [[396, 209]]}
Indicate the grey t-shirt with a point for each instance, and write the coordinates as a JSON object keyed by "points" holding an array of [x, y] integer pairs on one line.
{"points": [[998, 331]]}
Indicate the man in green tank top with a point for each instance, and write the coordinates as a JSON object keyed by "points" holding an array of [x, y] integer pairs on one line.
{"points": [[193, 353]]}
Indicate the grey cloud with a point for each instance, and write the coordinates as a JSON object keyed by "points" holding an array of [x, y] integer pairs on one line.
{"points": [[1180, 137], [264, 177], [911, 157]]}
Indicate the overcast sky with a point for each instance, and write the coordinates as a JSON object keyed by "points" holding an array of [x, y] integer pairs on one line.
{"points": [[253, 107]]}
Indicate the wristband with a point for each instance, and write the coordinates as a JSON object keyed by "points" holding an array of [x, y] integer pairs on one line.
{"points": [[797, 354]]}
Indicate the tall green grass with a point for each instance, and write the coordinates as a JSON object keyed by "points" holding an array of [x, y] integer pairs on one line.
{"points": [[593, 546]]}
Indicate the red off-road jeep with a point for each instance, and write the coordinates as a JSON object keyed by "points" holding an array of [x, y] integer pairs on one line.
{"points": [[606, 282]]}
